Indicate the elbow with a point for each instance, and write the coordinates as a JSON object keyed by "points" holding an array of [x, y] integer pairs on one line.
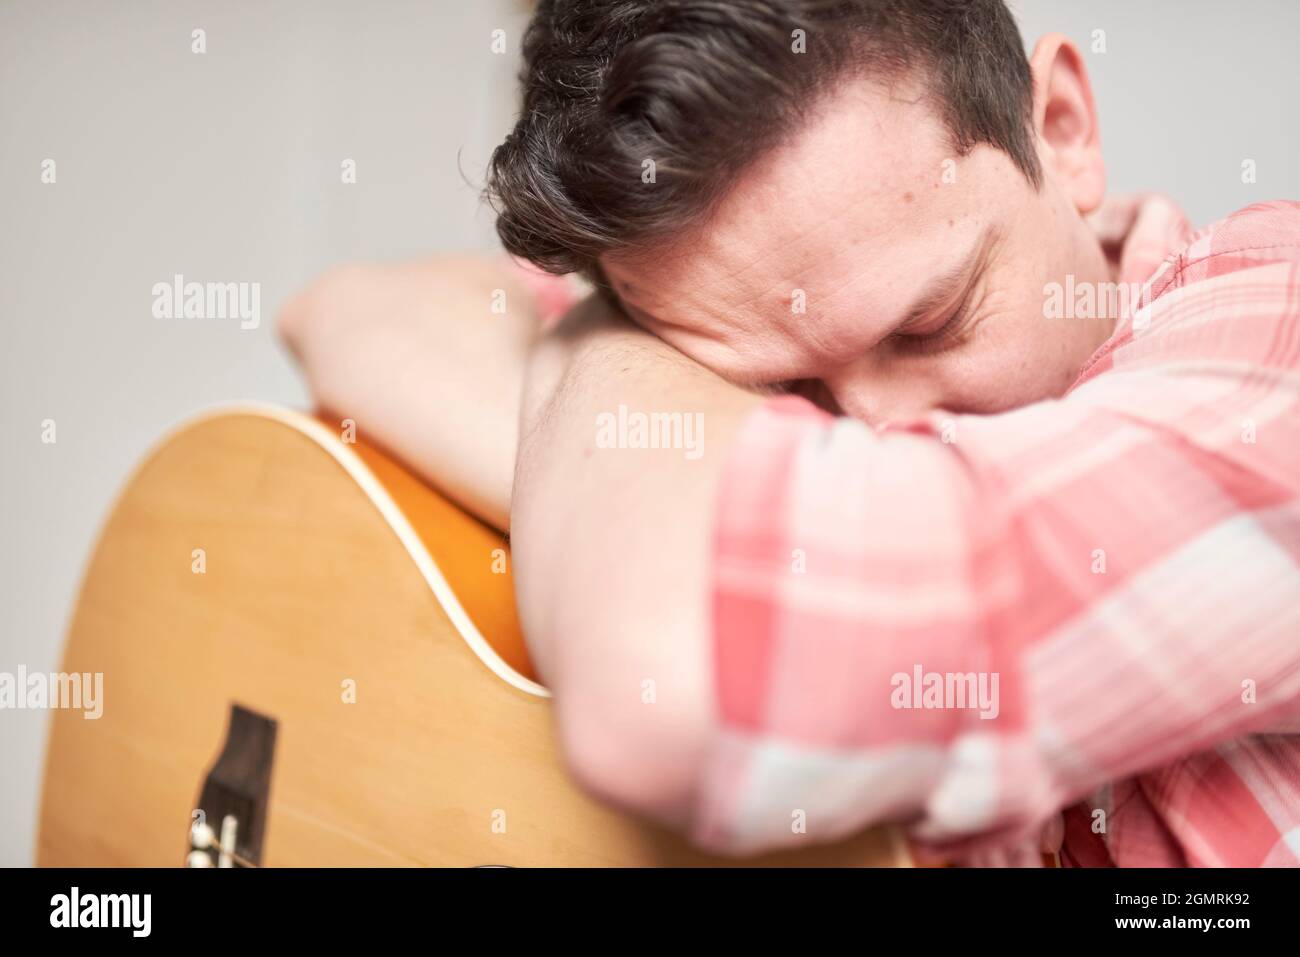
{"points": [[624, 648], [639, 749], [298, 318]]}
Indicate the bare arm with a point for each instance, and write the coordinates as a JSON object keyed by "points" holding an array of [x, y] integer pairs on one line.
{"points": [[612, 562], [415, 354]]}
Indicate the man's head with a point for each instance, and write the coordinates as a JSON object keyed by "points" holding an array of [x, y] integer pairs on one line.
{"points": [[865, 194]]}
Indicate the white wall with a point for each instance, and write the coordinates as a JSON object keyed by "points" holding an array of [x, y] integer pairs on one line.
{"points": [[1187, 90], [226, 166]]}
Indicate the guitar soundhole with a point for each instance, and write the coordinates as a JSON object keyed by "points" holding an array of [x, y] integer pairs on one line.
{"points": [[230, 817]]}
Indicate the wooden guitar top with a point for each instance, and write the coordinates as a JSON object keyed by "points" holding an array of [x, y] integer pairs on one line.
{"points": [[358, 612]]}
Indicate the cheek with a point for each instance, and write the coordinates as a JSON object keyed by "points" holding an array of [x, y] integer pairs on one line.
{"points": [[840, 333], [1017, 358]]}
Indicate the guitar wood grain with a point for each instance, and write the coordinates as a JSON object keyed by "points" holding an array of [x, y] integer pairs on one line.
{"points": [[308, 585]]}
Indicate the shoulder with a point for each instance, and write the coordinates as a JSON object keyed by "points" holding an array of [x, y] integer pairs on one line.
{"points": [[1227, 299], [1258, 235]]}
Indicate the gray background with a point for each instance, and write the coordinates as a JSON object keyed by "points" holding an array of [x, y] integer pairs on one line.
{"points": [[226, 166]]}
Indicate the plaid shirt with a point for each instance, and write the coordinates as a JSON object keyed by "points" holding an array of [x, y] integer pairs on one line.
{"points": [[1124, 562]]}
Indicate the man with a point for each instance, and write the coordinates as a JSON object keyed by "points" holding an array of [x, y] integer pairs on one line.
{"points": [[959, 552]]}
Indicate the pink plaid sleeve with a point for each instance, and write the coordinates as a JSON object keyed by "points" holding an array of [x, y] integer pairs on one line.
{"points": [[553, 295], [968, 623]]}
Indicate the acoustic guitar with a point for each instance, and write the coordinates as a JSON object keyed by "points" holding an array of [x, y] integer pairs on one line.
{"points": [[310, 658]]}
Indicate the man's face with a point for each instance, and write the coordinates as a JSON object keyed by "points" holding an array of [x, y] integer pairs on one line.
{"points": [[886, 275]]}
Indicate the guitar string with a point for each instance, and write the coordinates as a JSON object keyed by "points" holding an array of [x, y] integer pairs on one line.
{"points": [[241, 861]]}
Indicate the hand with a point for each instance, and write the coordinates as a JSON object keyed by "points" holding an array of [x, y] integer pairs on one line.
{"points": [[415, 354]]}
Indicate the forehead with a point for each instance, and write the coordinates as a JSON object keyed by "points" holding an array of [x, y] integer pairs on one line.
{"points": [[852, 214]]}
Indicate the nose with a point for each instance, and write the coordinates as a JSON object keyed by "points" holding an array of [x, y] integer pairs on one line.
{"points": [[866, 391]]}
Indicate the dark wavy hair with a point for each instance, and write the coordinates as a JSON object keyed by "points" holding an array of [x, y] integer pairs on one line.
{"points": [[706, 87]]}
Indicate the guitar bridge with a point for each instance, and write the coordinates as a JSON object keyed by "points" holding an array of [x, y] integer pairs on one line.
{"points": [[235, 794]]}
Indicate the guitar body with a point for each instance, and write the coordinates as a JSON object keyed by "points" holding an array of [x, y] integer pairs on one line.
{"points": [[303, 643]]}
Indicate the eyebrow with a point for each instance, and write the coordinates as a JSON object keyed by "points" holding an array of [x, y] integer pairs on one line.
{"points": [[946, 287]]}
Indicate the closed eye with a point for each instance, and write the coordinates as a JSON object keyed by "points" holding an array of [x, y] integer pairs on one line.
{"points": [[948, 333], [921, 334]]}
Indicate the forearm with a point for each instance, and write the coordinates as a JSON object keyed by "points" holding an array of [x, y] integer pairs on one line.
{"points": [[612, 565], [449, 412], [416, 355]]}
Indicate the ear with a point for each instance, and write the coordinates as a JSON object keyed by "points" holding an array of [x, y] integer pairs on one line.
{"points": [[1065, 121]]}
